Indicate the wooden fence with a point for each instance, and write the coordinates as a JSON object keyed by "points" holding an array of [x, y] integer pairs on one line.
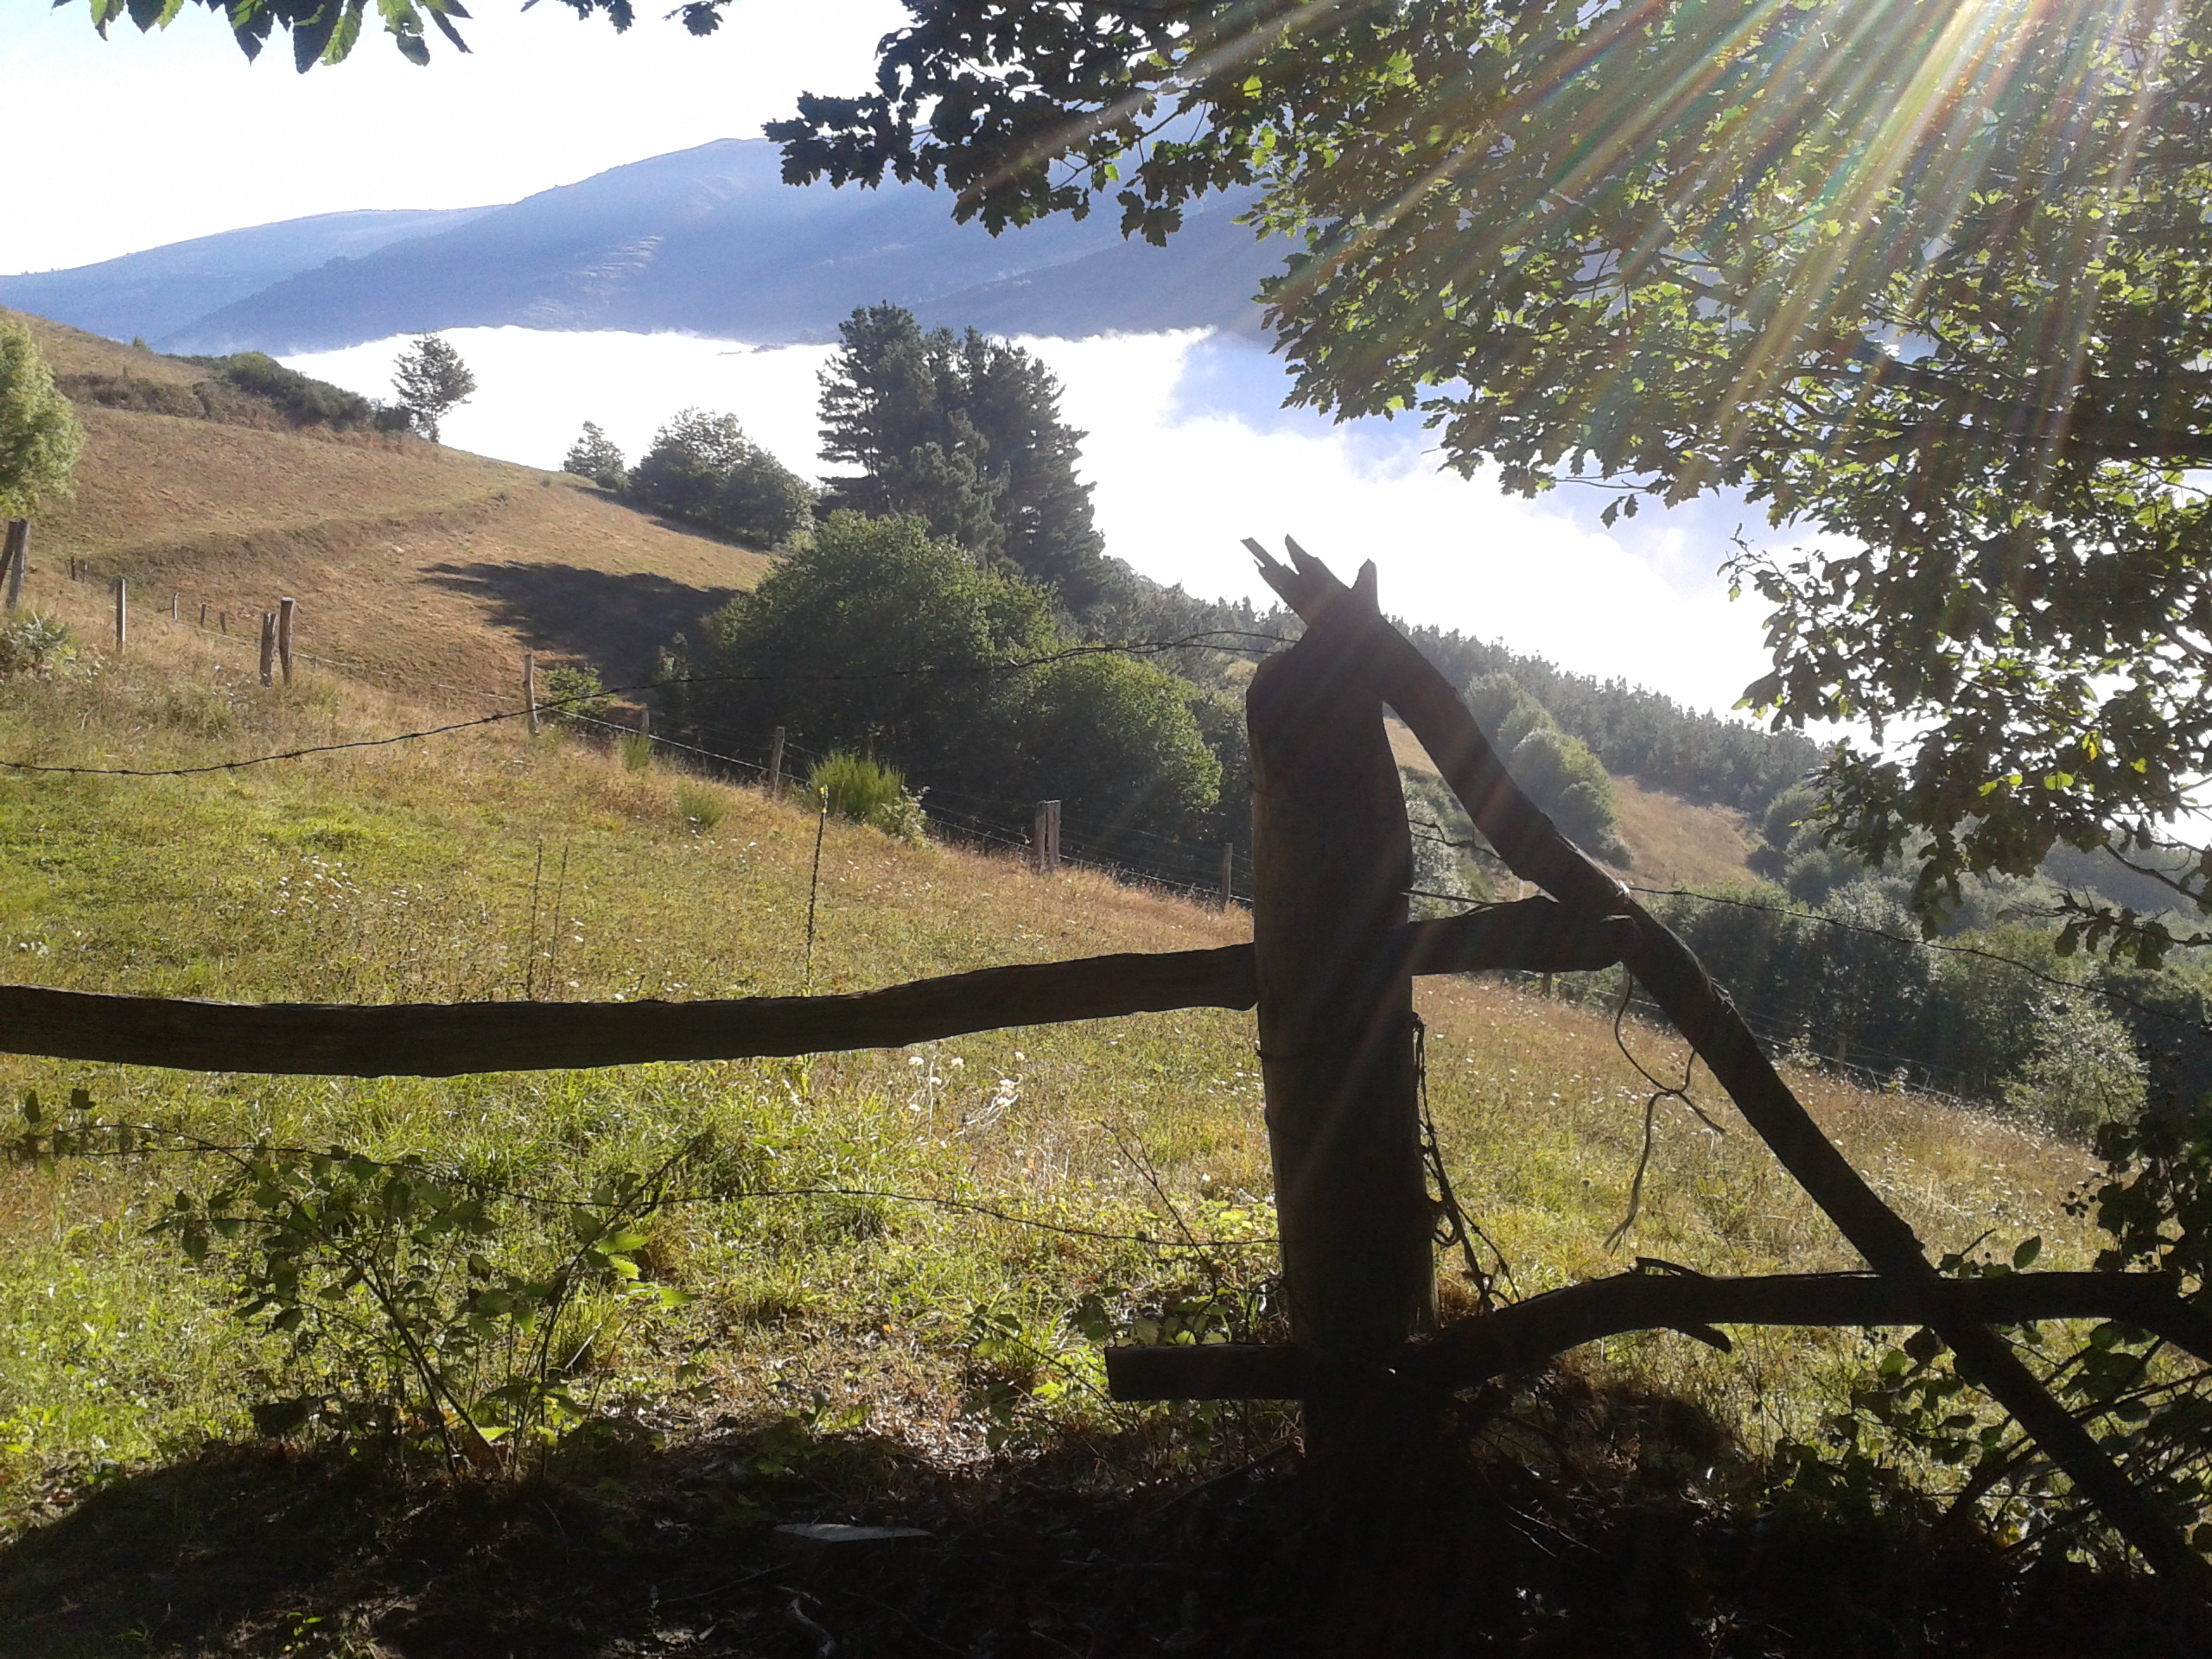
{"points": [[1329, 972]]}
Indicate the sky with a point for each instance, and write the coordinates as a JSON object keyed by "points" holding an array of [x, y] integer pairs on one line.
{"points": [[1189, 448]]}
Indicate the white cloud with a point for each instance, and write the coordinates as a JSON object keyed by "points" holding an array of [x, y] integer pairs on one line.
{"points": [[1189, 455]]}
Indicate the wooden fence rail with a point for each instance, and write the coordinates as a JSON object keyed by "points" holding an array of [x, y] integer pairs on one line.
{"points": [[449, 1039], [1473, 1350]]}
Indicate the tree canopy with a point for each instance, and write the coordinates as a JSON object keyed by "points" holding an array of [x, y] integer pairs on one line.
{"points": [[431, 381], [965, 431], [701, 468], [876, 636], [39, 436]]}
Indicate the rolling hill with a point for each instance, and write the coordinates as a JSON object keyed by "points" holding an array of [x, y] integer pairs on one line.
{"points": [[406, 558]]}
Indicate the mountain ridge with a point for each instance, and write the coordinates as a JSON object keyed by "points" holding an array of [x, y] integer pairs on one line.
{"points": [[708, 241]]}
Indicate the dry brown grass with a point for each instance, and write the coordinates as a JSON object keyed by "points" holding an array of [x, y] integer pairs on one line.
{"points": [[416, 560]]}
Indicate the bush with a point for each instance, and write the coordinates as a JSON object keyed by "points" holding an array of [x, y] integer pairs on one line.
{"points": [[868, 793], [2085, 1073], [637, 751], [875, 637], [36, 645], [301, 399], [1566, 780], [762, 502], [575, 695]]}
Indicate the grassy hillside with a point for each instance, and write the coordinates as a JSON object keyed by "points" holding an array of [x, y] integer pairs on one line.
{"points": [[483, 865], [409, 558]]}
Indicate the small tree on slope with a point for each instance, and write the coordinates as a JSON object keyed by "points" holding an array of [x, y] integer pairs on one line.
{"points": [[431, 379], [39, 436]]}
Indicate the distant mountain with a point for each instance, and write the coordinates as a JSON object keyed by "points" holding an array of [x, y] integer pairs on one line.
{"points": [[707, 241], [163, 290]]}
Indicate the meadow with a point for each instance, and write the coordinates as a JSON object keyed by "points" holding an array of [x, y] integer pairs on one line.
{"points": [[924, 1243]]}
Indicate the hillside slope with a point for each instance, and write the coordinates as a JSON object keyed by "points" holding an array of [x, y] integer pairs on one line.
{"points": [[408, 558]]}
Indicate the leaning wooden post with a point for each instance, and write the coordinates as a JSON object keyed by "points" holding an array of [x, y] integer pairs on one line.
{"points": [[529, 687], [15, 552], [776, 765], [1331, 857], [268, 647], [121, 615], [285, 636]]}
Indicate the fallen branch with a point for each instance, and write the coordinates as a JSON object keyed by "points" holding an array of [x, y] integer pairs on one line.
{"points": [[1473, 1351]]}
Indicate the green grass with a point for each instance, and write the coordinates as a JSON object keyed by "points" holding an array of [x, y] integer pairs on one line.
{"points": [[484, 865]]}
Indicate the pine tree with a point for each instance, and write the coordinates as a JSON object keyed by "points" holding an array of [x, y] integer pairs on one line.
{"points": [[431, 381], [596, 456], [964, 431]]}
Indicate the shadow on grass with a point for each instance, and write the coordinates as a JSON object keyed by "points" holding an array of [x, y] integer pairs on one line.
{"points": [[1601, 1533], [618, 621]]}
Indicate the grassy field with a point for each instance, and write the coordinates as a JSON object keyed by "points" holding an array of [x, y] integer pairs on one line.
{"points": [[486, 865]]}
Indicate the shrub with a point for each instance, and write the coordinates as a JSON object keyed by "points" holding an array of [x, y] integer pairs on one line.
{"points": [[2085, 1073], [868, 793], [574, 695], [301, 399], [37, 644], [637, 751], [1566, 780], [762, 502], [40, 438]]}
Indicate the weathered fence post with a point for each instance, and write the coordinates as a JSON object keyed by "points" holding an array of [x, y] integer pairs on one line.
{"points": [[285, 636], [1331, 857], [203, 614], [121, 615], [776, 765], [176, 606], [1045, 837], [1228, 875], [15, 553], [268, 647], [225, 618], [529, 687]]}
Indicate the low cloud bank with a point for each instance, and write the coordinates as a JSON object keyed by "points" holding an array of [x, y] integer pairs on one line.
{"points": [[1191, 451]]}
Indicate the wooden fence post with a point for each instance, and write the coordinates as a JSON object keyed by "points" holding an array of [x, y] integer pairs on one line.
{"points": [[1331, 857], [176, 606], [285, 636], [268, 647], [1228, 875], [16, 553], [225, 618], [1047, 836], [203, 614], [776, 765], [122, 616], [529, 687]]}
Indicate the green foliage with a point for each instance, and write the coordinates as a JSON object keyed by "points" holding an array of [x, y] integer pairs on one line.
{"points": [[636, 749], [703, 469], [431, 381], [2085, 1073], [966, 433], [877, 638], [868, 793], [574, 695], [596, 456], [1560, 772], [420, 1304], [300, 398], [36, 643], [1444, 871], [39, 436]]}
